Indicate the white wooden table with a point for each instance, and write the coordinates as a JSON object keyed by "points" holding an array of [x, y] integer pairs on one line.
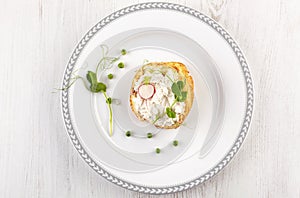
{"points": [[36, 157]]}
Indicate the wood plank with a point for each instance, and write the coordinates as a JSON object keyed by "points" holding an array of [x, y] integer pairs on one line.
{"points": [[37, 159]]}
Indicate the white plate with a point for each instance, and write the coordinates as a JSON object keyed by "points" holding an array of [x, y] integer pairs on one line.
{"points": [[212, 132]]}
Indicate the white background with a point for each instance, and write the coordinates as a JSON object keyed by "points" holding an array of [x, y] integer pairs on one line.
{"points": [[36, 157]]}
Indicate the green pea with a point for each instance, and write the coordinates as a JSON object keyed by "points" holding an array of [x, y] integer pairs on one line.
{"points": [[121, 65], [123, 52], [149, 135], [175, 143], [157, 150], [128, 133], [110, 76]]}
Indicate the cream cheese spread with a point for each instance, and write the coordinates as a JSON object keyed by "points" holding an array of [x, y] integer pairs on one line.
{"points": [[154, 108]]}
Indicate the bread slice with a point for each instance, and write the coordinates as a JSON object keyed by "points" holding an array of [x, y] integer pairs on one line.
{"points": [[183, 74]]}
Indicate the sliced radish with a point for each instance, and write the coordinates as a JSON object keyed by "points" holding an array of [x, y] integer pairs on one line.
{"points": [[146, 91]]}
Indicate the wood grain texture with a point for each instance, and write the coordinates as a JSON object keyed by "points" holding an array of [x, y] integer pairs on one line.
{"points": [[36, 157]]}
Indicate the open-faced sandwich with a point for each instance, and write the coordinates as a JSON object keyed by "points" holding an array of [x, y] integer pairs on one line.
{"points": [[162, 93]]}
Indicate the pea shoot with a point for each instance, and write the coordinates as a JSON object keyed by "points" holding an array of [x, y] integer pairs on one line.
{"points": [[106, 62], [94, 86], [108, 100], [180, 96], [110, 76], [97, 87], [170, 113]]}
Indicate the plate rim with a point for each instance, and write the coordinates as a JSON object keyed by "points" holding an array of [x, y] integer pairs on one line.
{"points": [[67, 119]]}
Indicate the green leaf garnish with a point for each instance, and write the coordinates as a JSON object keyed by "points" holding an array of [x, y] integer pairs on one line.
{"points": [[91, 77], [157, 117], [180, 96], [176, 90], [180, 85], [108, 100], [145, 62], [183, 96], [170, 113], [106, 62], [167, 77], [101, 87], [147, 79], [95, 86]]}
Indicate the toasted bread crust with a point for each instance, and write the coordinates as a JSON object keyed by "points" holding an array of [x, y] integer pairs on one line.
{"points": [[183, 75]]}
